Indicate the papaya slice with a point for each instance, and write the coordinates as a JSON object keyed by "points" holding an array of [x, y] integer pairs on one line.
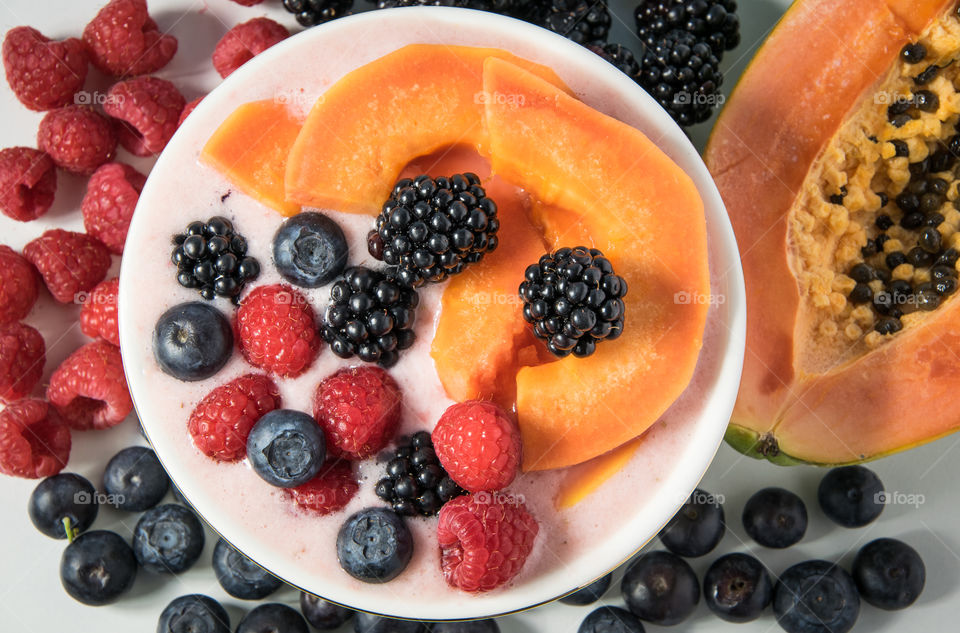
{"points": [[582, 480]]}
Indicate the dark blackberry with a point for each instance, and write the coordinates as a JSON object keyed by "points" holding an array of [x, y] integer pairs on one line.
{"points": [[620, 56], [574, 300], [212, 258], [683, 75], [416, 483], [390, 4], [583, 21], [712, 21], [370, 316], [313, 12], [431, 228]]}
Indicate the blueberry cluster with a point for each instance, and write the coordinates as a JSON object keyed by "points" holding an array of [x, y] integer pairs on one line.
{"points": [[416, 483], [313, 12], [213, 258]]}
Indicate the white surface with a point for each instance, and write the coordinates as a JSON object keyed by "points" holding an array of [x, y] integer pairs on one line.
{"points": [[32, 601]]}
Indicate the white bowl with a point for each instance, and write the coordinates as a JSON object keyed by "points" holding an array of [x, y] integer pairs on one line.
{"points": [[612, 524]]}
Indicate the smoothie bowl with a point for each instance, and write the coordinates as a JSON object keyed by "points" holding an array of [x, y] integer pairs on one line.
{"points": [[572, 428]]}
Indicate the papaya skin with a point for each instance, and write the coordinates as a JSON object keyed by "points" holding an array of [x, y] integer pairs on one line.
{"points": [[768, 137]]}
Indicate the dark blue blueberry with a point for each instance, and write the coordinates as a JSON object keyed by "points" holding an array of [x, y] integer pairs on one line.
{"points": [[321, 614], [192, 341], [775, 517], [889, 573], [660, 587], [696, 528], [273, 617], [851, 496], [309, 249], [374, 545], [135, 479], [286, 448], [737, 588], [816, 596], [241, 577], [97, 567], [369, 623], [168, 539], [60, 500], [488, 625], [589, 594], [194, 613], [610, 620]]}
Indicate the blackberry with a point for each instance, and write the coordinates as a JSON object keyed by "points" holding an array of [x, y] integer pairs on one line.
{"points": [[620, 56], [389, 4], [416, 483], [431, 228], [213, 258], [683, 75], [370, 316], [712, 21], [313, 12], [574, 300], [583, 21]]}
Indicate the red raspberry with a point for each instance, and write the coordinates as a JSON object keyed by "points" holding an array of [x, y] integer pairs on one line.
{"points": [[43, 74], [148, 109], [248, 3], [329, 491], [34, 441], [77, 138], [18, 285], [98, 316], [277, 330], [484, 541], [68, 262], [359, 410], [242, 42], [221, 422], [112, 194], [89, 388], [28, 181], [478, 445], [124, 40], [22, 355], [188, 110]]}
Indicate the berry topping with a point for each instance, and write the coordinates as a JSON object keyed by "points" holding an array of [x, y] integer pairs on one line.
{"points": [[321, 614], [737, 588], [816, 597], [212, 257], [108, 204], [148, 109], [478, 444], [660, 587], [168, 539], [309, 249], [70, 263], [34, 440], [696, 528], [194, 612], [889, 573], [484, 540], [610, 620], [277, 330], [124, 40], [775, 517], [22, 355], [241, 43], [28, 182], [589, 594], [370, 316], [63, 502], [43, 74], [359, 410], [97, 568], [312, 12], [18, 285], [574, 300], [582, 21], [98, 316], [272, 618], [77, 138], [89, 389], [416, 483], [192, 341], [331, 490], [433, 228], [221, 422], [136, 479], [241, 577], [374, 545], [851, 496], [286, 448], [712, 21]]}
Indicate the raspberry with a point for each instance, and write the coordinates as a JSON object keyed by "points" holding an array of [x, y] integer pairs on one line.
{"points": [[43, 74], [148, 109], [77, 138], [28, 181], [329, 491], [98, 316], [484, 542], [34, 441], [478, 445], [112, 194], [359, 410], [221, 422], [18, 285], [277, 330], [68, 262], [22, 354], [89, 388], [248, 3], [242, 42], [188, 110], [124, 41]]}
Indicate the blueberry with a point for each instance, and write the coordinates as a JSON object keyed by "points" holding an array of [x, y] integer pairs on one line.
{"points": [[369, 623], [168, 539], [816, 596], [61, 500], [696, 528], [321, 614], [488, 625], [660, 587], [272, 617], [851, 496], [194, 613], [737, 587], [889, 573], [589, 594], [135, 479], [97, 567], [309, 249], [610, 620], [241, 577], [286, 448], [192, 341], [374, 545], [775, 517]]}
